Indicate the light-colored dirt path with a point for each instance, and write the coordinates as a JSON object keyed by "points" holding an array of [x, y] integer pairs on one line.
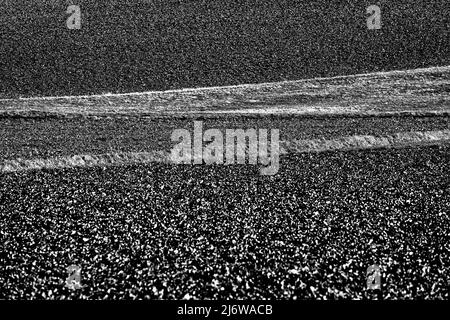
{"points": [[362, 142], [411, 91]]}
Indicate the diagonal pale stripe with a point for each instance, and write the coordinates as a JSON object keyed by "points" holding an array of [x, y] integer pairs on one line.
{"points": [[360, 142], [74, 161], [403, 92], [367, 141]]}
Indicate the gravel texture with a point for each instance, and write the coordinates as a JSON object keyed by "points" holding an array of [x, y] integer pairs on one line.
{"points": [[166, 231]]}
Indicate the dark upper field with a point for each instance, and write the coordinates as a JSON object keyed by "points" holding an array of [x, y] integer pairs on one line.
{"points": [[142, 45]]}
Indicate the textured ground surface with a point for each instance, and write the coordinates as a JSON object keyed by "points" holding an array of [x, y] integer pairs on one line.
{"points": [[165, 231], [30, 138], [135, 46]]}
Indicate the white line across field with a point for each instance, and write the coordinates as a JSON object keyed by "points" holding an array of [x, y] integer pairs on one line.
{"points": [[356, 142], [242, 86]]}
